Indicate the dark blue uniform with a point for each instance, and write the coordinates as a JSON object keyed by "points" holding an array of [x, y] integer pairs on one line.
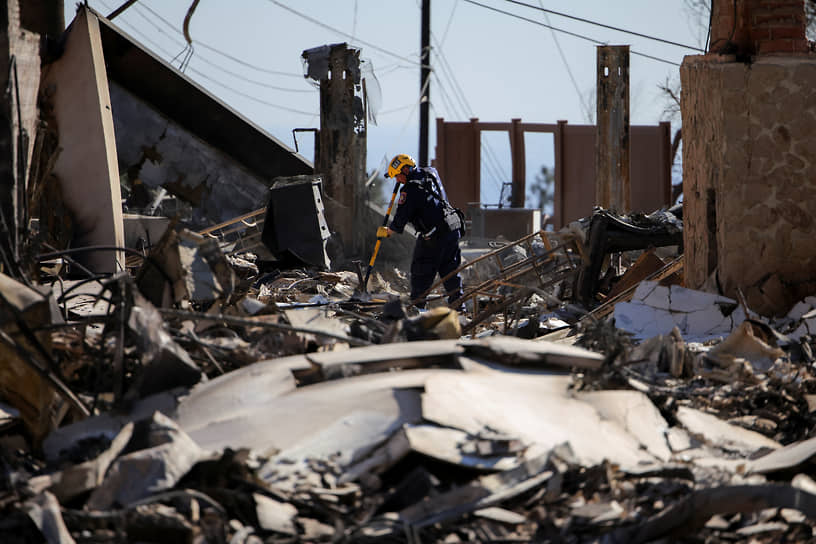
{"points": [[423, 203]]}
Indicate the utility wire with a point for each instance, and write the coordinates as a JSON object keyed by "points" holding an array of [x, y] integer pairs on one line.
{"points": [[252, 97], [236, 91], [581, 101], [336, 31], [491, 163], [447, 26], [206, 46], [618, 29], [539, 23]]}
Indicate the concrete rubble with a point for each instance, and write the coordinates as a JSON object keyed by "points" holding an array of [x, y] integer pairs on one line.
{"points": [[270, 405], [192, 355]]}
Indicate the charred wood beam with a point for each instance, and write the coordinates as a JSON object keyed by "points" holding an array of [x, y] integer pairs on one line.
{"points": [[693, 512], [609, 234]]}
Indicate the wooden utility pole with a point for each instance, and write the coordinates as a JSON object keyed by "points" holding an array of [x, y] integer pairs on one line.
{"points": [[517, 196], [612, 146], [342, 139], [425, 82]]}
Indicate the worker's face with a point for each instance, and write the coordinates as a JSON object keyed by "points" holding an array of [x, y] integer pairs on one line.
{"points": [[402, 177]]}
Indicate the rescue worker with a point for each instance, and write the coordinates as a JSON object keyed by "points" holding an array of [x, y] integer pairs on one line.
{"points": [[424, 204]]}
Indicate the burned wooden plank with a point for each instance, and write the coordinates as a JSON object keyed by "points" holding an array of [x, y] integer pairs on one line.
{"points": [[691, 513], [483, 493]]}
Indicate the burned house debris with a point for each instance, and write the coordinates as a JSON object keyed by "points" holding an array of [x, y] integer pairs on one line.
{"points": [[222, 373]]}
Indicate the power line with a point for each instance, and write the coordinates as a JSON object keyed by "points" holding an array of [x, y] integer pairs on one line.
{"points": [[569, 70], [354, 40], [618, 29], [209, 47], [593, 40], [491, 162], [236, 91], [187, 52], [251, 97]]}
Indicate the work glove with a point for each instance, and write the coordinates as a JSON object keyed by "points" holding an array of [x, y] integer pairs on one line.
{"points": [[383, 232]]}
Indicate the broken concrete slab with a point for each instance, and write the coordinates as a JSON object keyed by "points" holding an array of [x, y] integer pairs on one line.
{"points": [[184, 265], [362, 411], [78, 479], [165, 364], [783, 458], [44, 511], [633, 411], [723, 434], [699, 316], [380, 358], [317, 318], [169, 453], [535, 408], [517, 351], [274, 515], [240, 391], [107, 425], [743, 345], [453, 446]]}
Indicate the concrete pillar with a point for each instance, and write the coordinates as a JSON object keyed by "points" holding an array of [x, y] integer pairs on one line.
{"points": [[749, 164], [612, 147], [87, 167]]}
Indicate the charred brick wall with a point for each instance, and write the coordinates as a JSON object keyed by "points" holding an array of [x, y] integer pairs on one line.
{"points": [[749, 175], [751, 27]]}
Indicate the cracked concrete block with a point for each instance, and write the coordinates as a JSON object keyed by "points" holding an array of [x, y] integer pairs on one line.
{"points": [[642, 320], [682, 299], [652, 294]]}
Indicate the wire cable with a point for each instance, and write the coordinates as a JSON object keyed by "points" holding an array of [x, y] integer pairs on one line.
{"points": [[336, 31], [610, 27], [539, 23], [205, 45], [584, 105], [224, 85], [214, 50], [491, 163]]}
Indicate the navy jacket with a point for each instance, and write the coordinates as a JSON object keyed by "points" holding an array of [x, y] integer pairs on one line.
{"points": [[421, 202]]}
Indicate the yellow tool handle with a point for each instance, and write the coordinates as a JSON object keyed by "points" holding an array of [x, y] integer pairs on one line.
{"points": [[374, 255], [379, 240]]}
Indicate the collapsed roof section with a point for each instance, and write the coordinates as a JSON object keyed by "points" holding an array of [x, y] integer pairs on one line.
{"points": [[126, 136], [159, 84]]}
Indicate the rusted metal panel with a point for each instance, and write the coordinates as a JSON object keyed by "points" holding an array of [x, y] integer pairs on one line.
{"points": [[651, 172], [459, 166], [612, 185], [577, 197], [458, 160]]}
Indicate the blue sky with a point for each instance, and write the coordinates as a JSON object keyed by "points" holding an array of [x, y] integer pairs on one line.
{"points": [[486, 64]]}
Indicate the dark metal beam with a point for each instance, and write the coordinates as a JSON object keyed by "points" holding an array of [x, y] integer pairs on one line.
{"points": [[425, 82]]}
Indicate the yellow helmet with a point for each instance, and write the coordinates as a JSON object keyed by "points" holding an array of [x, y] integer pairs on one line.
{"points": [[397, 163]]}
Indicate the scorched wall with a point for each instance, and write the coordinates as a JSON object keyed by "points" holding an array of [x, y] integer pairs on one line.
{"points": [[749, 175]]}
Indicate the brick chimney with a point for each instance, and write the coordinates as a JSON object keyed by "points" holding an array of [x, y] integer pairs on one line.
{"points": [[757, 27]]}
